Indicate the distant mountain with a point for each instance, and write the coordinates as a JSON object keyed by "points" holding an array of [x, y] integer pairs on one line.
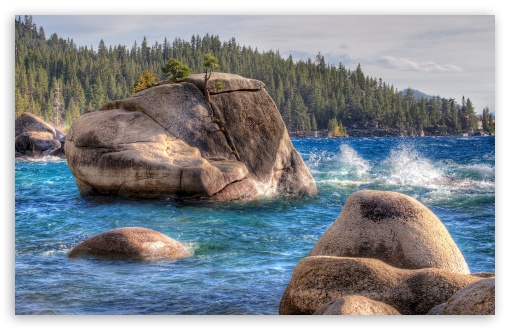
{"points": [[417, 94]]}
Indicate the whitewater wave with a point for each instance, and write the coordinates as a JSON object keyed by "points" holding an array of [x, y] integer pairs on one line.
{"points": [[405, 166], [404, 169], [43, 159]]}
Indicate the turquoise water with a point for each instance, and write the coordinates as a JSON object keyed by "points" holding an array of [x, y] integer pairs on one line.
{"points": [[243, 253]]}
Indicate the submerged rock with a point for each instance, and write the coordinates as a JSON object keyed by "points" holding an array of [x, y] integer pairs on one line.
{"points": [[131, 243], [394, 228], [165, 142], [35, 138]]}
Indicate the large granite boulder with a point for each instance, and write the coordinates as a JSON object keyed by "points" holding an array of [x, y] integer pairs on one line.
{"points": [[132, 243], [318, 280], [35, 138], [387, 247], [165, 141], [355, 305], [394, 228], [478, 298]]}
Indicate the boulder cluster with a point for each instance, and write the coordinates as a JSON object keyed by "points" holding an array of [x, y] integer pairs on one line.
{"points": [[386, 254], [34, 138]]}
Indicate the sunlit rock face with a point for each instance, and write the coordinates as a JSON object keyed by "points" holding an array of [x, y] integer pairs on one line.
{"points": [[131, 243], [35, 138], [478, 298], [394, 228], [166, 141], [386, 253]]}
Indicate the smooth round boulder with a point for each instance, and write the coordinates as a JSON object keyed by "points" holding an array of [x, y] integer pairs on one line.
{"points": [[394, 228], [131, 243], [319, 279], [437, 310], [355, 305]]}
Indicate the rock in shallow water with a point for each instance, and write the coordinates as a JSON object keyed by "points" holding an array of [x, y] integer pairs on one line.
{"points": [[387, 247], [131, 243], [165, 142], [35, 138], [478, 298]]}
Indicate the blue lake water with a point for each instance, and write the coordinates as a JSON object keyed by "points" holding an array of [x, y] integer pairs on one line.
{"points": [[243, 253]]}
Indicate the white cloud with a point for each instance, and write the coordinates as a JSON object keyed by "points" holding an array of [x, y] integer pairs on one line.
{"points": [[405, 64]]}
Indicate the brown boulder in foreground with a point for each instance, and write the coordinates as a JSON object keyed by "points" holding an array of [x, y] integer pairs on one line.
{"points": [[394, 228], [319, 279], [355, 305], [478, 298], [131, 243]]}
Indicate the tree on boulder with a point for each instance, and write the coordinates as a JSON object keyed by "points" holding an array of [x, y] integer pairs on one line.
{"points": [[176, 70], [210, 64], [146, 80]]}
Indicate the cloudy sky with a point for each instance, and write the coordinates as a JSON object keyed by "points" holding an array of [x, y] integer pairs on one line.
{"points": [[449, 50], [450, 56]]}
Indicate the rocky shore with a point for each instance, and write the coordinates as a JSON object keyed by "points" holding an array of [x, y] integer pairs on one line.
{"points": [[385, 254]]}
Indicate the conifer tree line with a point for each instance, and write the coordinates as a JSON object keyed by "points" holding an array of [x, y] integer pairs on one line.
{"points": [[310, 95]]}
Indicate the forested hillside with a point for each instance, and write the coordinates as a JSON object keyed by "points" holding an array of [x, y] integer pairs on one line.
{"points": [[309, 94]]}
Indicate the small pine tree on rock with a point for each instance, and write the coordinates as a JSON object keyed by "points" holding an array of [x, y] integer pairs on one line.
{"points": [[176, 70], [146, 80]]}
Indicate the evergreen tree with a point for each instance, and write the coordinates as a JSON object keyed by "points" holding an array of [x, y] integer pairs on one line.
{"points": [[487, 121], [313, 125], [175, 70], [472, 118], [210, 64], [146, 80]]}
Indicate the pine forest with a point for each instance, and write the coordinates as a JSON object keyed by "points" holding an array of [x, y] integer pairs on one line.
{"points": [[52, 73]]}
